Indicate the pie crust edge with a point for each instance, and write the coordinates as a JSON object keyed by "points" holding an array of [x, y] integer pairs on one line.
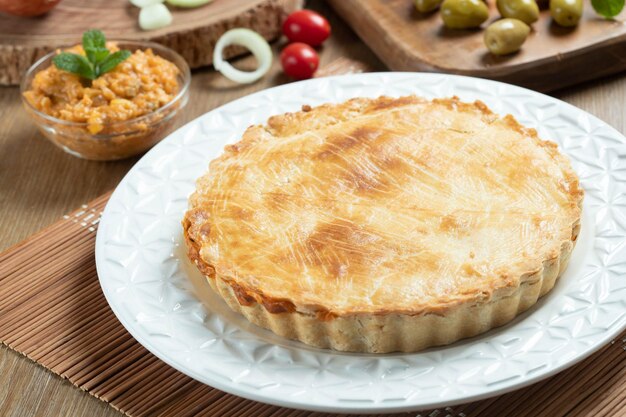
{"points": [[388, 332]]}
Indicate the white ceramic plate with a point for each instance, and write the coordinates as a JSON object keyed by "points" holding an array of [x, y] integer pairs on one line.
{"points": [[164, 303]]}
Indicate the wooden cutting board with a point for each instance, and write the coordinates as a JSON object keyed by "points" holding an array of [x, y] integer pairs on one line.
{"points": [[552, 56], [193, 32]]}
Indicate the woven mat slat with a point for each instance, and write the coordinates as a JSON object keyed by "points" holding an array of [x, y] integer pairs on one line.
{"points": [[53, 311]]}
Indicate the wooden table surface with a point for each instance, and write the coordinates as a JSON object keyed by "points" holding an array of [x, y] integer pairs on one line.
{"points": [[39, 183]]}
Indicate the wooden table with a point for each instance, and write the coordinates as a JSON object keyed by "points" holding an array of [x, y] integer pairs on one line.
{"points": [[39, 183]]}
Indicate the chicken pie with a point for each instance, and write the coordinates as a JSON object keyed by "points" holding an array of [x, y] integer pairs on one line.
{"points": [[387, 224]]}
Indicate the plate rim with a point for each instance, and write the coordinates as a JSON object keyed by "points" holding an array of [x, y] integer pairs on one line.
{"points": [[370, 408]]}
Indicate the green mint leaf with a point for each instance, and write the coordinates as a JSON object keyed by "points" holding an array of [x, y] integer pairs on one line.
{"points": [[111, 61], [76, 64], [98, 60], [608, 8], [94, 45]]}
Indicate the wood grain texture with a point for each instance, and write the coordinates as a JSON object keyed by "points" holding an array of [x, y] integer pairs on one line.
{"points": [[39, 183], [192, 34], [552, 57]]}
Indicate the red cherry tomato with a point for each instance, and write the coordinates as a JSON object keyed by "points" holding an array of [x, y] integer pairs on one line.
{"points": [[27, 8], [306, 26], [299, 60]]}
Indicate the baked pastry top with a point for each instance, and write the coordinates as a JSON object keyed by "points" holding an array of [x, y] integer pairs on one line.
{"points": [[378, 206]]}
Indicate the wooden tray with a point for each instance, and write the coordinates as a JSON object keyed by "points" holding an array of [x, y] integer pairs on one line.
{"points": [[552, 57], [192, 34]]}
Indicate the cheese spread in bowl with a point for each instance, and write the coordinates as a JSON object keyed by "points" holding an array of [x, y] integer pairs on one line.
{"points": [[119, 114]]}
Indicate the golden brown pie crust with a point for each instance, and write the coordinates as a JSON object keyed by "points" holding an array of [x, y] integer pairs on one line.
{"points": [[381, 225]]}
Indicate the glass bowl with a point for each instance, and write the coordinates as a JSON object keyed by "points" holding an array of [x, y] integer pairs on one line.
{"points": [[117, 140]]}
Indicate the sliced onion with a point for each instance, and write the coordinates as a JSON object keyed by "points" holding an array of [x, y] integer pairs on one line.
{"points": [[248, 39], [145, 3], [154, 16], [188, 3]]}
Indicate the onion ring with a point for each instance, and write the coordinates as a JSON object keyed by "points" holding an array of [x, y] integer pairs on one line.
{"points": [[254, 43]]}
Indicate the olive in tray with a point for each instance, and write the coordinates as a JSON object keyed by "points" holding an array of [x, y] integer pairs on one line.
{"points": [[506, 36], [463, 14], [525, 10]]}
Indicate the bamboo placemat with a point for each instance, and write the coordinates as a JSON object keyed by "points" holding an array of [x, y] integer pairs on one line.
{"points": [[53, 311]]}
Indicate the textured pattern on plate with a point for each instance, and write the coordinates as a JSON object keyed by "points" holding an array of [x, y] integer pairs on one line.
{"points": [[154, 291]]}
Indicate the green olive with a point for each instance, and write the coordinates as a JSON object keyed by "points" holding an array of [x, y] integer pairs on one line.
{"points": [[425, 6], [464, 14], [566, 12], [506, 36], [525, 10]]}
